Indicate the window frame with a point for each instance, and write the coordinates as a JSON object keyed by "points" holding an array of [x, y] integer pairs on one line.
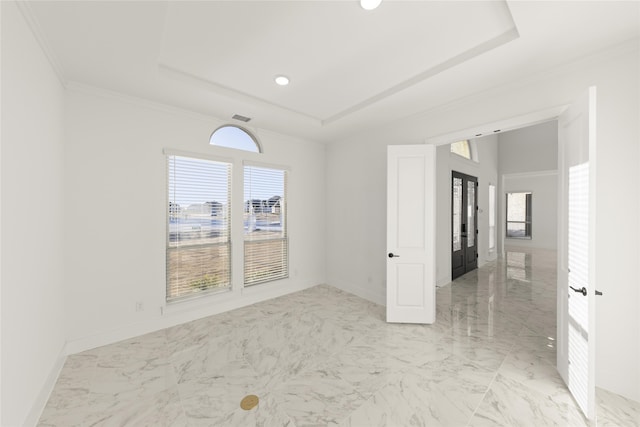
{"points": [[253, 138], [492, 193], [284, 210], [528, 222], [237, 162], [168, 153]]}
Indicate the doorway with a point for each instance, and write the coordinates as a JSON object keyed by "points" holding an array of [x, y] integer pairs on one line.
{"points": [[464, 223]]}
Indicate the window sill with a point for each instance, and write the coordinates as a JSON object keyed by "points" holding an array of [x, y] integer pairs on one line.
{"points": [[265, 286], [198, 301]]}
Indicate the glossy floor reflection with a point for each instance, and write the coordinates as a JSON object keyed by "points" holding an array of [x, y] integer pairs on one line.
{"points": [[325, 357]]}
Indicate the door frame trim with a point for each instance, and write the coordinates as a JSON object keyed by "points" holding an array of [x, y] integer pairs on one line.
{"points": [[465, 178], [517, 122]]}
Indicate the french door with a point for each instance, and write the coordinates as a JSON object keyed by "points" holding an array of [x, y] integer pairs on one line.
{"points": [[464, 224]]}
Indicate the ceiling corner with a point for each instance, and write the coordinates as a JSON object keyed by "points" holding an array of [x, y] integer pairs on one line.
{"points": [[36, 29]]}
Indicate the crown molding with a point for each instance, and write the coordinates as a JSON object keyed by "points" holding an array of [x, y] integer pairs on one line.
{"points": [[577, 65], [467, 55], [91, 90], [87, 89], [505, 125], [587, 61], [534, 174], [34, 25], [191, 79]]}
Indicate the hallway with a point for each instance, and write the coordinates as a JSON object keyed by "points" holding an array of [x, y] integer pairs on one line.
{"points": [[325, 357]]}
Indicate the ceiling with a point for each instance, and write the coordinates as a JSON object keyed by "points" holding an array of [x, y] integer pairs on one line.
{"points": [[350, 69]]}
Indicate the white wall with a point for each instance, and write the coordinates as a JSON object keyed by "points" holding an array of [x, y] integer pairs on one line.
{"points": [[486, 170], [33, 334], [356, 218], [530, 149], [528, 161], [356, 191], [115, 181], [356, 171]]}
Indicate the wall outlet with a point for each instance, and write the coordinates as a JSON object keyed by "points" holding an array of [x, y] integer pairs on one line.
{"points": [[139, 306]]}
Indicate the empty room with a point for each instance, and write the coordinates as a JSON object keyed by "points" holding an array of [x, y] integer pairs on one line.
{"points": [[314, 213]]}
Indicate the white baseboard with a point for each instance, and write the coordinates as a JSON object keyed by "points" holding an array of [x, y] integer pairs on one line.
{"points": [[367, 293], [443, 281], [186, 312], [43, 397]]}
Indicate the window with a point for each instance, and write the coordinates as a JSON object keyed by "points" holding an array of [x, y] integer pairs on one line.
{"points": [[198, 226], [519, 215], [266, 244], [492, 216], [462, 148], [200, 214], [457, 214], [234, 137]]}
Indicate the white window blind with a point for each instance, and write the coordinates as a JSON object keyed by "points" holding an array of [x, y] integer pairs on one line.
{"points": [[266, 243], [198, 226], [578, 254]]}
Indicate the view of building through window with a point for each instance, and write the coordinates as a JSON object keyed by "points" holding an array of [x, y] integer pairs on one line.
{"points": [[200, 214], [198, 235], [265, 227]]}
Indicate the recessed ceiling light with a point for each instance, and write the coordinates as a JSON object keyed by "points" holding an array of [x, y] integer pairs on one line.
{"points": [[282, 80], [370, 4]]}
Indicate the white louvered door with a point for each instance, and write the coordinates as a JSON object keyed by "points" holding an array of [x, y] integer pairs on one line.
{"points": [[579, 327], [576, 250]]}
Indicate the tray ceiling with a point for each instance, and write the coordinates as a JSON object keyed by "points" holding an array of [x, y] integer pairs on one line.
{"points": [[339, 58], [351, 70]]}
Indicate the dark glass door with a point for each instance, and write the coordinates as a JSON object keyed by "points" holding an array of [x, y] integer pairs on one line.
{"points": [[464, 224]]}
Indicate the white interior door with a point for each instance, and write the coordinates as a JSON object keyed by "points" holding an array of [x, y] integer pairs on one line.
{"points": [[576, 251], [411, 207]]}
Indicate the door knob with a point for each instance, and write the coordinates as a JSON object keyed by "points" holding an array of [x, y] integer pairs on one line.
{"points": [[583, 291], [391, 255]]}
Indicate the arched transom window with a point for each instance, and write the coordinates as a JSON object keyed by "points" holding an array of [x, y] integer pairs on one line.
{"points": [[234, 137], [462, 148]]}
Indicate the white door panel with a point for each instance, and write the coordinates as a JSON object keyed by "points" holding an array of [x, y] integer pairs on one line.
{"points": [[411, 234]]}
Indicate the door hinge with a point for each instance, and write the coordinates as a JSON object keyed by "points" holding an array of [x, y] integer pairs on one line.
{"points": [[476, 256]]}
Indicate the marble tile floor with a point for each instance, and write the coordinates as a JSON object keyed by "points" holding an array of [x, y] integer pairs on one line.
{"points": [[323, 357]]}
